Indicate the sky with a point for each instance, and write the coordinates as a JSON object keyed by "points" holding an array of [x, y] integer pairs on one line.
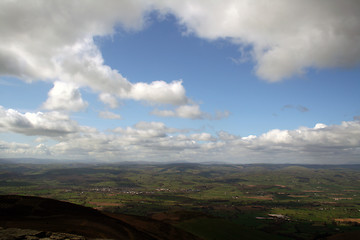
{"points": [[246, 81]]}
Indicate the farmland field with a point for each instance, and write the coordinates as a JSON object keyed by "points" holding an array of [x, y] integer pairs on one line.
{"points": [[209, 201]]}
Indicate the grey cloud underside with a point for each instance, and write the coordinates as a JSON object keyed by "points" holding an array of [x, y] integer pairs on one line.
{"points": [[52, 124], [286, 37], [53, 40]]}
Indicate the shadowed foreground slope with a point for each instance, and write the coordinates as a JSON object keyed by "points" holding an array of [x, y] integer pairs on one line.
{"points": [[57, 216]]}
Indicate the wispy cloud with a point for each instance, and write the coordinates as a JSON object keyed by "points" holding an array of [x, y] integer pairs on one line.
{"points": [[297, 107], [109, 115], [190, 112], [185, 111]]}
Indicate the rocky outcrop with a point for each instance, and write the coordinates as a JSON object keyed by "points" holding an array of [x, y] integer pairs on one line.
{"points": [[29, 234]]}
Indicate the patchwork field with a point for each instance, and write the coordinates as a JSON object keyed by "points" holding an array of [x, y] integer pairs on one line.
{"points": [[209, 201]]}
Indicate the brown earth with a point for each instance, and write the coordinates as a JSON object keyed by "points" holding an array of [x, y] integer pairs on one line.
{"points": [[343, 198], [313, 191], [348, 220], [267, 197], [45, 214], [107, 204], [298, 196]]}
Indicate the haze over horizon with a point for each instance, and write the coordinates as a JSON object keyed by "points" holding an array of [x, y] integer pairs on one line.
{"points": [[199, 81]]}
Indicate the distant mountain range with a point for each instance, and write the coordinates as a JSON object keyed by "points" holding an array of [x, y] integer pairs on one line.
{"points": [[185, 164]]}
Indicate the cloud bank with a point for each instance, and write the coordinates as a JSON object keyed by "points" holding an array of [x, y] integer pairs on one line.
{"points": [[154, 141]]}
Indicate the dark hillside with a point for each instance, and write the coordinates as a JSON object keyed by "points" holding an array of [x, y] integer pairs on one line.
{"points": [[52, 215]]}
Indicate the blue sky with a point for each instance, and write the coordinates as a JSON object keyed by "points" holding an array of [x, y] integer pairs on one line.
{"points": [[181, 81]]}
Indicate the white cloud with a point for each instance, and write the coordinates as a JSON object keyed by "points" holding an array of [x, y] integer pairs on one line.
{"points": [[322, 143], [184, 111], [149, 141], [319, 126], [109, 99], [109, 115], [154, 141], [51, 124], [163, 113], [54, 41], [190, 112], [286, 37], [64, 97], [84, 65], [202, 137], [145, 130], [32, 42], [20, 150], [159, 92]]}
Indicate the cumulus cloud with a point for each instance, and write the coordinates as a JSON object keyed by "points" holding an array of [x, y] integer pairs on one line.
{"points": [[202, 137], [154, 141], [189, 111], [184, 111], [159, 92], [109, 100], [20, 150], [146, 130], [109, 115], [323, 144], [54, 41], [286, 37], [64, 97], [51, 124], [32, 42], [151, 140]]}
